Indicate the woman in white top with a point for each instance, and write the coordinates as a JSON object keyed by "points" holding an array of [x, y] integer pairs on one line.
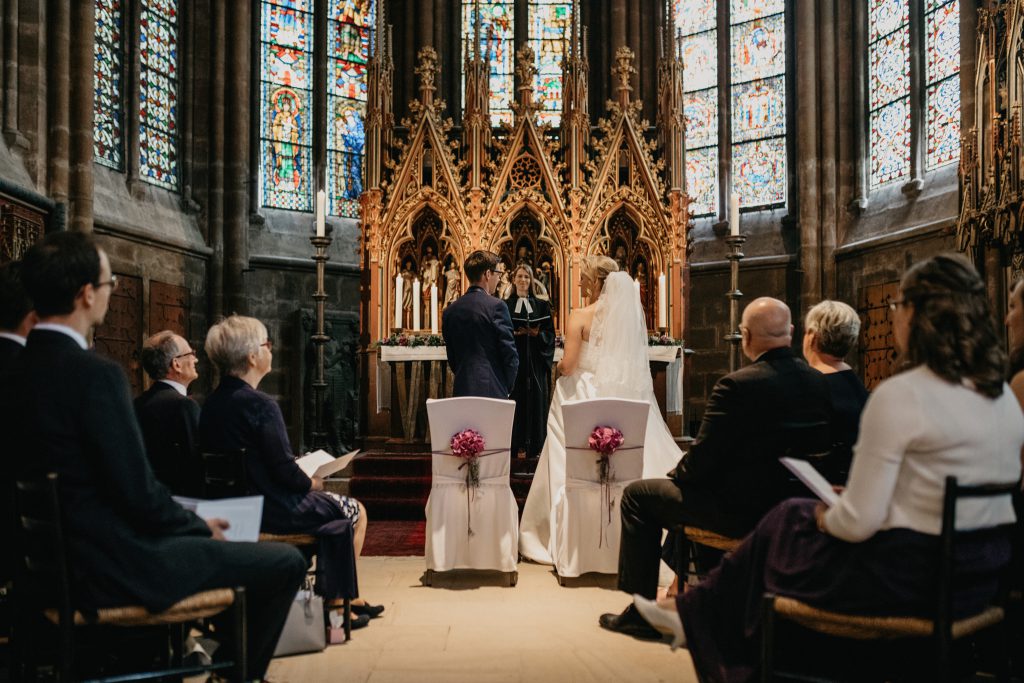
{"points": [[949, 414], [605, 357]]}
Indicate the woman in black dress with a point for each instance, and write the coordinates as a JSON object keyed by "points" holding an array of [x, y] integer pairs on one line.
{"points": [[237, 416], [535, 340]]}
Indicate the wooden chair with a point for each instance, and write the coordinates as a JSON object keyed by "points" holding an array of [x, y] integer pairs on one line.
{"points": [[224, 476], [941, 629], [43, 588]]}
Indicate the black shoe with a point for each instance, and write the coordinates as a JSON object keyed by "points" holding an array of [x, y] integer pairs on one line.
{"points": [[631, 623], [372, 611], [360, 621]]}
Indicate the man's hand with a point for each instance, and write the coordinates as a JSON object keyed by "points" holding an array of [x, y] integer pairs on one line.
{"points": [[520, 332], [217, 528], [318, 484], [534, 331]]}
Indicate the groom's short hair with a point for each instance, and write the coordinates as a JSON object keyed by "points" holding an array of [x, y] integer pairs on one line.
{"points": [[478, 263]]}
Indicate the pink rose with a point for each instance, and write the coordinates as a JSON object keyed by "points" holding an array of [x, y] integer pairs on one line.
{"points": [[605, 440]]}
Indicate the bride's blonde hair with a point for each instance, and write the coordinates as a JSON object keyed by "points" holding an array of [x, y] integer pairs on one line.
{"points": [[597, 268]]}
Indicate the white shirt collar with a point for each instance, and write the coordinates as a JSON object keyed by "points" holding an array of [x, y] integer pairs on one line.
{"points": [[16, 338], [178, 386], [524, 301], [64, 329]]}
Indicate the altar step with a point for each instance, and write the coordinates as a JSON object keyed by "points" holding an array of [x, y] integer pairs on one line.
{"points": [[394, 484]]}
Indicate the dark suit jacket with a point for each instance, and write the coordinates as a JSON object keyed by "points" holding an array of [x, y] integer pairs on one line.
{"points": [[9, 352], [128, 542], [481, 349], [776, 406], [169, 422]]}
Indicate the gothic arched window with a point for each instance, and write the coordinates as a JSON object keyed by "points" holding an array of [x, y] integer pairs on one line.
{"points": [[497, 32], [549, 34], [913, 105], [289, 143], [753, 126], [108, 64], [158, 93]]}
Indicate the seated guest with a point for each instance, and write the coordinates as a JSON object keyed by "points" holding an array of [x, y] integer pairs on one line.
{"points": [[16, 316], [1015, 330], [731, 476], [128, 542], [237, 416], [830, 331], [950, 413], [168, 417]]}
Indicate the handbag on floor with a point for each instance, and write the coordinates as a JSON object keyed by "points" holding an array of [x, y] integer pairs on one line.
{"points": [[304, 629]]}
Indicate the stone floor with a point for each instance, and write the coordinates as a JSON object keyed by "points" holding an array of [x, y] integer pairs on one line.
{"points": [[470, 627]]}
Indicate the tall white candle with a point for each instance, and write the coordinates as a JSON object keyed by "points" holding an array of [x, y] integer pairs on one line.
{"points": [[321, 207], [416, 304], [734, 214], [433, 309], [398, 301], [662, 302]]}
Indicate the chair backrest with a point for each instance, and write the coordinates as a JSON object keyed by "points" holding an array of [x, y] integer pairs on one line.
{"points": [[580, 418], [954, 492], [224, 474], [491, 417]]}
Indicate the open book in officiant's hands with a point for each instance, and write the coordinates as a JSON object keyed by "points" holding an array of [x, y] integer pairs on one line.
{"points": [[321, 464], [811, 478]]}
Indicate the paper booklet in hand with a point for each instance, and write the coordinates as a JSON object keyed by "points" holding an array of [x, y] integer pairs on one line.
{"points": [[806, 473], [243, 515], [321, 464]]}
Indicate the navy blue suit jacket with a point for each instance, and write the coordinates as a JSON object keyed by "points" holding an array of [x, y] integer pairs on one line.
{"points": [[169, 422], [481, 349]]}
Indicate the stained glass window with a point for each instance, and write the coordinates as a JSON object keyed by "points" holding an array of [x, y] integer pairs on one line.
{"points": [[108, 110], [550, 30], [497, 25], [286, 95], [349, 25], [889, 89], [696, 23], [942, 49], [758, 100], [158, 92]]}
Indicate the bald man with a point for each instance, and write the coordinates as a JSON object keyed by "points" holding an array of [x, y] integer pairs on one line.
{"points": [[775, 406]]}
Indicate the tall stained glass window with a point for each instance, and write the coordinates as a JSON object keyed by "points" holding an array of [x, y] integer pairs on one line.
{"points": [[942, 50], [286, 95], [550, 30], [158, 93], [498, 52], [696, 23], [889, 89], [758, 99], [349, 25], [108, 63]]}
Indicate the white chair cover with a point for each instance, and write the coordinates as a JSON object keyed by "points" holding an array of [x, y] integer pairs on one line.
{"points": [[586, 540], [491, 509]]}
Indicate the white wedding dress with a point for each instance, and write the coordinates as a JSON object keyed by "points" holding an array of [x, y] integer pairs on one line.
{"points": [[613, 364]]}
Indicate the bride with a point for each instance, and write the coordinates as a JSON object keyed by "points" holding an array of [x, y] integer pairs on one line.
{"points": [[605, 357]]}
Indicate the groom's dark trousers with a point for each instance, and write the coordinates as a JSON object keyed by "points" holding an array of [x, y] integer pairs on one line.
{"points": [[481, 349], [731, 476]]}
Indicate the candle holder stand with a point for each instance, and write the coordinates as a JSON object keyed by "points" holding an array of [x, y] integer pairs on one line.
{"points": [[734, 337], [320, 339]]}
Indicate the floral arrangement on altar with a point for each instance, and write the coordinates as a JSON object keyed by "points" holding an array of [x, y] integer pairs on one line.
{"points": [[663, 340], [412, 340], [559, 341]]}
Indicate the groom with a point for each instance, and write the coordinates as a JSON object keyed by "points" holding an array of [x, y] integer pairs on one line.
{"points": [[478, 333]]}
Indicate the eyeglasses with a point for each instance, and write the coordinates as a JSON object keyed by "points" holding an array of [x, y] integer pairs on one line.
{"points": [[185, 355], [269, 344], [893, 305], [112, 282]]}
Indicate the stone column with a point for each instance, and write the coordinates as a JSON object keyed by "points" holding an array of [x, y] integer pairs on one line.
{"points": [[807, 141], [58, 44], [10, 54], [637, 46], [827, 150], [133, 89], [80, 153], [215, 200], [236, 156]]}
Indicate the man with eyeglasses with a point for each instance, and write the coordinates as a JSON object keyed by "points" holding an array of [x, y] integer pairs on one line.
{"points": [[477, 332], [127, 541], [168, 417]]}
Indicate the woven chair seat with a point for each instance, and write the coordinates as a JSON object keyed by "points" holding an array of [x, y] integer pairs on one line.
{"points": [[197, 606], [711, 539], [290, 539], [872, 628]]}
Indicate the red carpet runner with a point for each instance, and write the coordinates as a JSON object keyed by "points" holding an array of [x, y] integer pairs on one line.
{"points": [[394, 539]]}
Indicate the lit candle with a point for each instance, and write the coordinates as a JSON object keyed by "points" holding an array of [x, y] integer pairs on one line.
{"points": [[662, 302], [734, 214], [398, 301], [321, 202], [416, 304], [433, 309]]}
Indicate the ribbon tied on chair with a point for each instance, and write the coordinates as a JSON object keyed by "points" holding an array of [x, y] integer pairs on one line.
{"points": [[605, 440], [469, 446]]}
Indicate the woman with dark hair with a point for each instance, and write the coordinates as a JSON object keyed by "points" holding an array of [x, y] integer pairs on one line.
{"points": [[535, 341], [949, 413]]}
